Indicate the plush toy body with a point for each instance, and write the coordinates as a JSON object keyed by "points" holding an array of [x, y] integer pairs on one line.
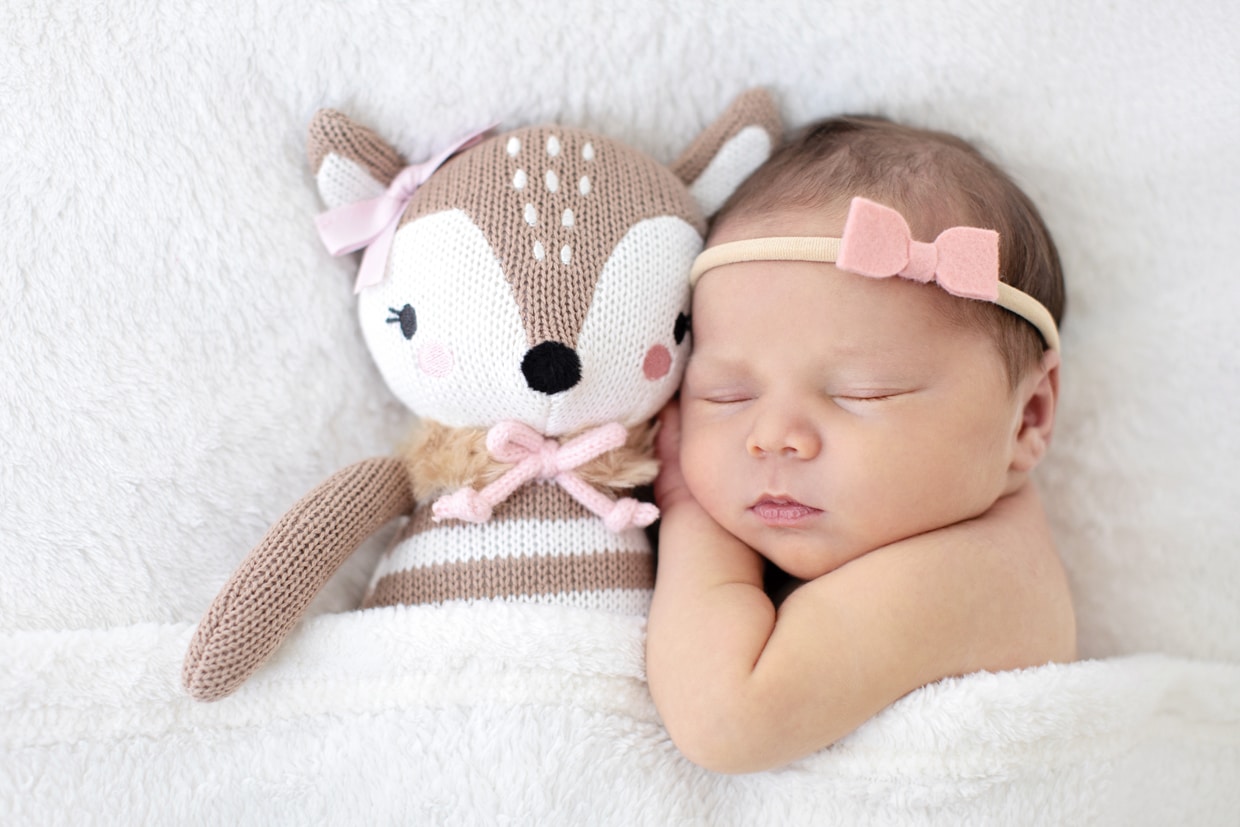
{"points": [[527, 299]]}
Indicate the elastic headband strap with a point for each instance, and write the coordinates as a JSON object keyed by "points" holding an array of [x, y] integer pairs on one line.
{"points": [[876, 242], [775, 248]]}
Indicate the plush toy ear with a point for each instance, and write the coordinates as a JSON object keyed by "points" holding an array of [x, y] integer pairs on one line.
{"points": [[730, 149], [350, 162]]}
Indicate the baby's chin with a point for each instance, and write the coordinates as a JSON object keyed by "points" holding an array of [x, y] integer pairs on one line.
{"points": [[805, 570], [805, 557]]}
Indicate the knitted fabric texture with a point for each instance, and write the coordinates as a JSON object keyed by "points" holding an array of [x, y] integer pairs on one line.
{"points": [[333, 132], [539, 544], [553, 203], [750, 109], [271, 588], [432, 562], [536, 279]]}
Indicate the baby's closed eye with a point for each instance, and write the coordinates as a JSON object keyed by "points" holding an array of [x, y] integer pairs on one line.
{"points": [[715, 386], [717, 392], [858, 395], [870, 400], [727, 398]]}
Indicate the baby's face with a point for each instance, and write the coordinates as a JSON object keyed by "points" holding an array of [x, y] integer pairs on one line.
{"points": [[826, 414]]}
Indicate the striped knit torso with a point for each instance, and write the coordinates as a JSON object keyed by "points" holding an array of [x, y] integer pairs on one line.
{"points": [[540, 545]]}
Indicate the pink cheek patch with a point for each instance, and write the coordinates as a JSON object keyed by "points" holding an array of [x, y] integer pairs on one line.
{"points": [[657, 363], [435, 360]]}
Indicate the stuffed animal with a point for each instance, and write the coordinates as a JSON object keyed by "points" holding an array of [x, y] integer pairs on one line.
{"points": [[526, 296]]}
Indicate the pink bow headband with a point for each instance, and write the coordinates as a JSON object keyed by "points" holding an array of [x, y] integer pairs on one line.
{"points": [[372, 223], [878, 243]]}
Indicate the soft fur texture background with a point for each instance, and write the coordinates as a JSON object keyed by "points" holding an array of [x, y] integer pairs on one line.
{"points": [[179, 358]]}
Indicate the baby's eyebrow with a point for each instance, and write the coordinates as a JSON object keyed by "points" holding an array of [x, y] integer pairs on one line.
{"points": [[723, 363]]}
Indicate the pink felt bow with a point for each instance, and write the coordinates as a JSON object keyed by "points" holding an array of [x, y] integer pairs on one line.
{"points": [[539, 457], [372, 223], [877, 242]]}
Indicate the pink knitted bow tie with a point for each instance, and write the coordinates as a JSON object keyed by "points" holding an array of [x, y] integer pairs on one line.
{"points": [[877, 242], [372, 223], [539, 457]]}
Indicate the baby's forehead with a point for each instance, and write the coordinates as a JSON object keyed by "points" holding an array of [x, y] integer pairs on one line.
{"points": [[825, 219], [818, 305]]}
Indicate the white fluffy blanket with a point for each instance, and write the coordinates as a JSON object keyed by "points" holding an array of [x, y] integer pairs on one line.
{"points": [[179, 361], [536, 715]]}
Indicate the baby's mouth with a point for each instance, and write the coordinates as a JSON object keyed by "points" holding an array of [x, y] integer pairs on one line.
{"points": [[782, 511]]}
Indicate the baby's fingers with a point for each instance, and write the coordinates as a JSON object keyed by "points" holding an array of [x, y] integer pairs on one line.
{"points": [[670, 483], [667, 444]]}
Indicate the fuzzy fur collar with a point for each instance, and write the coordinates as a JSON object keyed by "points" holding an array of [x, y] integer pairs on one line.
{"points": [[440, 460]]}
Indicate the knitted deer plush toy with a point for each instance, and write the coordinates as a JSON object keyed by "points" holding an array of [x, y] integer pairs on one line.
{"points": [[526, 296]]}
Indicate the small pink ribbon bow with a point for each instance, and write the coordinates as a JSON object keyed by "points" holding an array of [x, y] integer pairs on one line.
{"points": [[877, 242], [539, 457], [372, 223]]}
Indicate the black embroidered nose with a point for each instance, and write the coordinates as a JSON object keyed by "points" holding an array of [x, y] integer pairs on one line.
{"points": [[551, 367]]}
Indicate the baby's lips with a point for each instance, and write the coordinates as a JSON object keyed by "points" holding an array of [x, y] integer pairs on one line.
{"points": [[782, 510]]}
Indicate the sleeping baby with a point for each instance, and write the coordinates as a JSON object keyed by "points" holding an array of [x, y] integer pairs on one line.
{"points": [[874, 377]]}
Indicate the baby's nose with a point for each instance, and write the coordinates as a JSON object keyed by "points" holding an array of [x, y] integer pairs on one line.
{"points": [[785, 434]]}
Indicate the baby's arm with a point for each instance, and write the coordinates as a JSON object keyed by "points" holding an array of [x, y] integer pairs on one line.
{"points": [[742, 686]]}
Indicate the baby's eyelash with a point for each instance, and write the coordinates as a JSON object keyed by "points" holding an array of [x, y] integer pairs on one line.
{"points": [[871, 396], [711, 395]]}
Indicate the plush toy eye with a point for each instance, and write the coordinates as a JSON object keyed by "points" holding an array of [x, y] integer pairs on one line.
{"points": [[682, 327], [407, 319]]}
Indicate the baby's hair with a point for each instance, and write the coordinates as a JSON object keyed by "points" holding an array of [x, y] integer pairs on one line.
{"points": [[936, 180]]}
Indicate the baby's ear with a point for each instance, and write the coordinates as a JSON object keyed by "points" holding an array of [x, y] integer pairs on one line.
{"points": [[730, 149], [1040, 395], [349, 161]]}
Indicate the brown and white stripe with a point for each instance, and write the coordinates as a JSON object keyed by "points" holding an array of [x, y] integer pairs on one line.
{"points": [[540, 545]]}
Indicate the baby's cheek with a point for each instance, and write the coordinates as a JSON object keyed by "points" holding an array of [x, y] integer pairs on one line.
{"points": [[703, 462]]}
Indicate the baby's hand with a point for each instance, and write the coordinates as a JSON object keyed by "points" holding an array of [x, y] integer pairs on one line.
{"points": [[669, 486]]}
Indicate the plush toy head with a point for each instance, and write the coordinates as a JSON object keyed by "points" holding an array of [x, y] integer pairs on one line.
{"points": [[527, 297], [540, 275]]}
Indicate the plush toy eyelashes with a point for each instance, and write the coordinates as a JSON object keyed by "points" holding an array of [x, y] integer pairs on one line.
{"points": [[406, 318]]}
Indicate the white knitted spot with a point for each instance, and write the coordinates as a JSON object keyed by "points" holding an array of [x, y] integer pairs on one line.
{"points": [[587, 151], [531, 215], [553, 146], [566, 254], [584, 185], [519, 180], [567, 218], [553, 181], [514, 146], [539, 252]]}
